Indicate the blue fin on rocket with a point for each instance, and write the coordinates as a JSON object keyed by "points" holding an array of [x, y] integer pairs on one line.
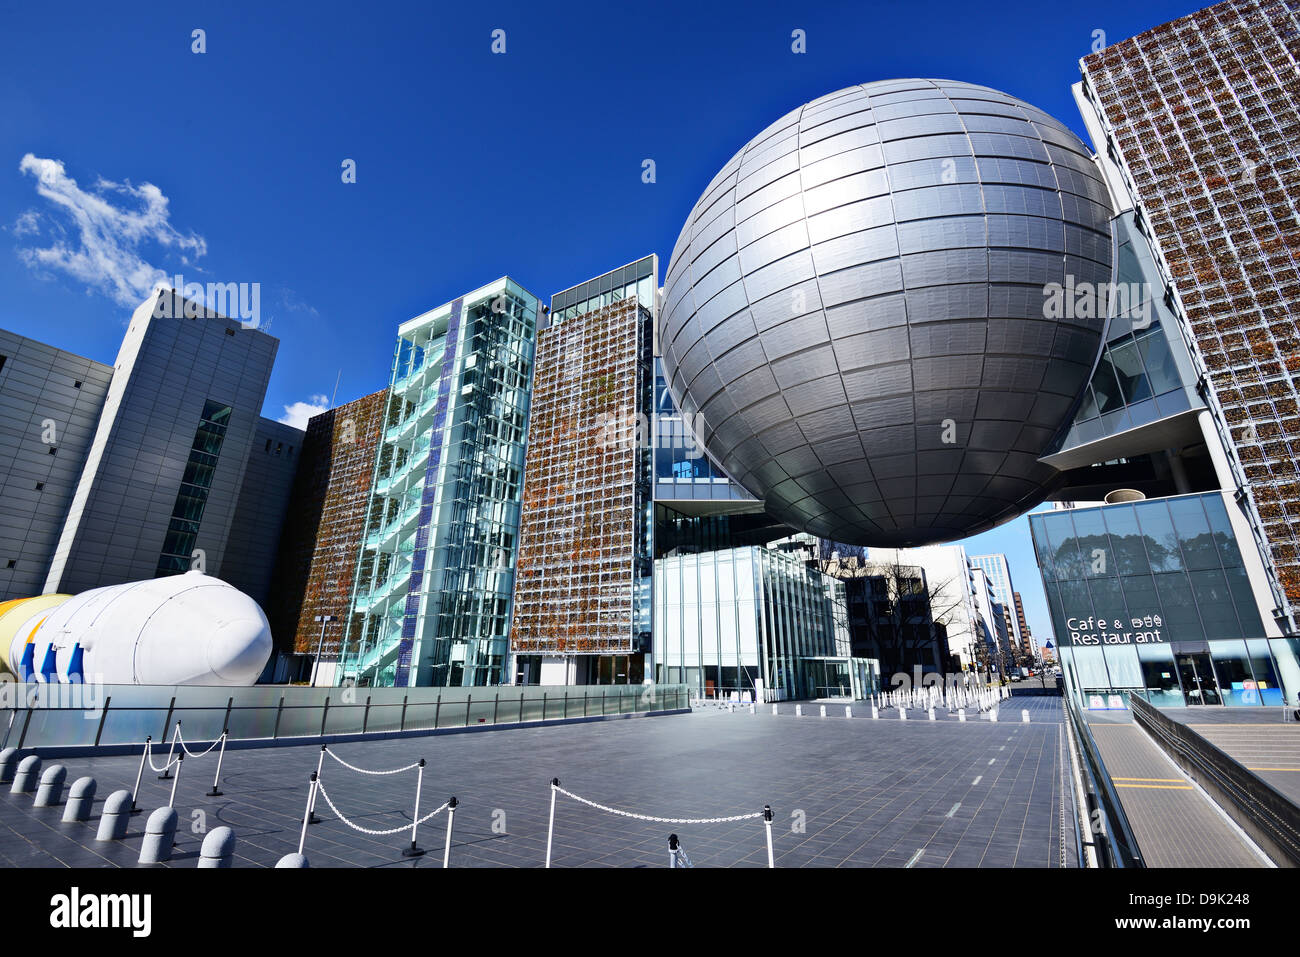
{"points": [[50, 666], [25, 669], [76, 674]]}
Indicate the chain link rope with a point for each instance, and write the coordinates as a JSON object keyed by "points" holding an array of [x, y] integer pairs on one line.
{"points": [[148, 753], [365, 830], [660, 820], [180, 737], [353, 767]]}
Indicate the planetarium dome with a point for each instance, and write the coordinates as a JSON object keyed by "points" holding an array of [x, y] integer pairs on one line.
{"points": [[854, 315]]}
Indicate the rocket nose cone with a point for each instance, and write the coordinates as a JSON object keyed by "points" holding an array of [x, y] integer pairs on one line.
{"points": [[238, 650]]}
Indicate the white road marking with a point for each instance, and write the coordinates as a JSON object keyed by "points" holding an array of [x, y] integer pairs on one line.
{"points": [[977, 780], [915, 857], [953, 810]]}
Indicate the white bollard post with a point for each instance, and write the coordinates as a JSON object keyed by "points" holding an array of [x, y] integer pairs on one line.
{"points": [[1024, 715], [993, 715], [774, 710], [550, 828], [932, 717], [751, 709], [848, 711], [767, 820], [875, 712], [902, 714], [415, 850], [451, 816], [823, 711], [798, 711], [961, 714]]}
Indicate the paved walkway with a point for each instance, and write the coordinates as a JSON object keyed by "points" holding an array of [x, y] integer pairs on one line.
{"points": [[845, 794], [1258, 738], [1175, 824]]}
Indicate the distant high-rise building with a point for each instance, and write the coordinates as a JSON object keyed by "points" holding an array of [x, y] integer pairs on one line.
{"points": [[435, 573], [1028, 646], [999, 575], [318, 550]]}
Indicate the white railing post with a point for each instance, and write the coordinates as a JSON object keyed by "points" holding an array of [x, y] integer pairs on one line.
{"points": [[415, 850], [306, 814], [550, 827], [216, 780], [767, 821], [180, 762], [311, 810], [451, 817], [139, 774], [167, 768]]}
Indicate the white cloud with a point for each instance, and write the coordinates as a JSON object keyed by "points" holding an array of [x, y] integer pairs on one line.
{"points": [[297, 413], [106, 253]]}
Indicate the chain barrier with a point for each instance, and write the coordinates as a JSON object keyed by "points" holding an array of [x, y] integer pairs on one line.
{"points": [[353, 767], [181, 738], [320, 786], [148, 753], [661, 820]]}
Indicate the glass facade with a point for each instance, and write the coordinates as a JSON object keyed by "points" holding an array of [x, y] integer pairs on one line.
{"points": [[1153, 597], [178, 546], [1144, 373], [726, 620], [432, 599]]}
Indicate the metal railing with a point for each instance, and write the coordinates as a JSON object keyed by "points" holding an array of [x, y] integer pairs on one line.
{"points": [[41, 715], [1112, 835], [1267, 815]]}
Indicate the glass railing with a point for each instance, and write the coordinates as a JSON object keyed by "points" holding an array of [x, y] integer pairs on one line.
{"points": [[41, 715]]}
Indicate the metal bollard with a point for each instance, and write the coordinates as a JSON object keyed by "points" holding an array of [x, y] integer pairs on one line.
{"points": [[1024, 715], [672, 850], [774, 710], [902, 714], [932, 717], [875, 712], [823, 713], [993, 715], [961, 714], [293, 860], [751, 709], [218, 848], [798, 711], [50, 793], [81, 798], [8, 764], [159, 836], [115, 817], [848, 711], [28, 770]]}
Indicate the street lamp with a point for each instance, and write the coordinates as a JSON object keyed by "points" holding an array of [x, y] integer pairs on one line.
{"points": [[324, 620]]}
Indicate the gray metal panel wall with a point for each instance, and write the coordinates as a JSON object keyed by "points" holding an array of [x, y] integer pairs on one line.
{"points": [[259, 514], [38, 383]]}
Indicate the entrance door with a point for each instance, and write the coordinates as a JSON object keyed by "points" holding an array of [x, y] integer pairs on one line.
{"points": [[1197, 676]]}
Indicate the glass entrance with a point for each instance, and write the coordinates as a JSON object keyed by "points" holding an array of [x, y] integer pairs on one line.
{"points": [[1197, 675]]}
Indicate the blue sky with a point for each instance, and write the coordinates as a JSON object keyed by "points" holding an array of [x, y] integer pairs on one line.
{"points": [[123, 153]]}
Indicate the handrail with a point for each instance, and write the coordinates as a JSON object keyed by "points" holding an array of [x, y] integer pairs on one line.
{"points": [[1259, 807], [1120, 847]]}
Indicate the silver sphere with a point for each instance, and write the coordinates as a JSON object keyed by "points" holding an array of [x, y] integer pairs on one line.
{"points": [[854, 316]]}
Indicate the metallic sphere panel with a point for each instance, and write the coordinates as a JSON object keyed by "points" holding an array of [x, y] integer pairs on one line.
{"points": [[854, 312]]}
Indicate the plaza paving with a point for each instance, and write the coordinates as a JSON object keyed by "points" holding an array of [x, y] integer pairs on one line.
{"points": [[845, 792]]}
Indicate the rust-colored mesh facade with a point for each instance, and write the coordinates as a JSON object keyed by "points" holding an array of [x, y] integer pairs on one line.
{"points": [[574, 579], [322, 533], [1205, 117]]}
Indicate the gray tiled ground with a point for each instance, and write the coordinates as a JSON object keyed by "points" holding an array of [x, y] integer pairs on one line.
{"points": [[871, 793], [1265, 740]]}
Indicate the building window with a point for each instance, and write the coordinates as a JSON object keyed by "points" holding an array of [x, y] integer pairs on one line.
{"points": [[183, 529]]}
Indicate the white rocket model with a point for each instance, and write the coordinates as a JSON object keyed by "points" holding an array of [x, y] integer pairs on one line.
{"points": [[179, 630]]}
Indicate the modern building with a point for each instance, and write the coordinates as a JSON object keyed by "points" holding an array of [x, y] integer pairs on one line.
{"points": [[582, 602], [755, 623], [431, 601], [1181, 582], [1029, 646], [318, 550], [951, 591], [50, 403], [999, 576]]}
